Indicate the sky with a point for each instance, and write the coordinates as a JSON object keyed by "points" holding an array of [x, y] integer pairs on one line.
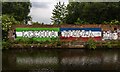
{"points": [[41, 10]]}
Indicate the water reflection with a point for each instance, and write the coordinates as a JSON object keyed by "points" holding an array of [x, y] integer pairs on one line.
{"points": [[39, 60], [81, 60], [58, 59]]}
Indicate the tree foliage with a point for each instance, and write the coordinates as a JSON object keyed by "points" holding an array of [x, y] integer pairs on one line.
{"points": [[7, 22], [59, 13], [80, 22], [93, 12], [19, 10], [13, 13]]}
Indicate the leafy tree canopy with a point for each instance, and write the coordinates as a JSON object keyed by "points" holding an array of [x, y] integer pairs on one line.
{"points": [[93, 12], [59, 13], [7, 22], [19, 10]]}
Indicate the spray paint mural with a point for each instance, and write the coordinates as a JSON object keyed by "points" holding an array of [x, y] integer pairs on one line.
{"points": [[37, 33], [118, 32], [108, 35], [111, 35], [67, 33], [80, 33], [61, 33]]}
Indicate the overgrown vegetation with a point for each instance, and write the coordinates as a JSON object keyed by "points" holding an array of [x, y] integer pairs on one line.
{"points": [[112, 22], [90, 12], [19, 10], [28, 42], [109, 44], [91, 44], [80, 22], [13, 13], [6, 44], [7, 23]]}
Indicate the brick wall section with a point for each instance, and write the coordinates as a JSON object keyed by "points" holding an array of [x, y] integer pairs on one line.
{"points": [[103, 26]]}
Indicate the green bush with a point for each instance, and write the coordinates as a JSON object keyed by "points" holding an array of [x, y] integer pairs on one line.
{"points": [[6, 44], [91, 44], [112, 22], [109, 44], [7, 22], [79, 21], [24, 41]]}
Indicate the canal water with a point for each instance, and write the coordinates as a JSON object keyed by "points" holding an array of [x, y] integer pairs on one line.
{"points": [[60, 59]]}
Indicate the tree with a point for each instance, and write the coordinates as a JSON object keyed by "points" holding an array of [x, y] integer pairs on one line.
{"points": [[19, 10], [7, 22], [73, 12], [13, 13], [93, 12], [59, 13]]}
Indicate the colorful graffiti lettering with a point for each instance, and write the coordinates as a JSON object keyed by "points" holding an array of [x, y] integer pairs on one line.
{"points": [[118, 33], [109, 35], [77, 33], [38, 34], [67, 33], [80, 33]]}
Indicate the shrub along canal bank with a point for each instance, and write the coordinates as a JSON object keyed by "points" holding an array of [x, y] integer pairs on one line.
{"points": [[90, 44]]}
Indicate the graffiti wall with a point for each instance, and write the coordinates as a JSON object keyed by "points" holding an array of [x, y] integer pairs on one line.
{"points": [[62, 33], [67, 33], [111, 35], [118, 32], [37, 33], [80, 33]]}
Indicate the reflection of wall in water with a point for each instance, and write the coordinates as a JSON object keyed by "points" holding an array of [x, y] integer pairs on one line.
{"points": [[84, 60], [67, 60], [39, 60], [55, 59], [110, 58], [90, 60]]}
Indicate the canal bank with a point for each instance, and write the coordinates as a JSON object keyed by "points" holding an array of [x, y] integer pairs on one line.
{"points": [[90, 44]]}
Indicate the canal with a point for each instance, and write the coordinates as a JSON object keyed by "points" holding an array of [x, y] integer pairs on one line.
{"points": [[60, 59]]}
